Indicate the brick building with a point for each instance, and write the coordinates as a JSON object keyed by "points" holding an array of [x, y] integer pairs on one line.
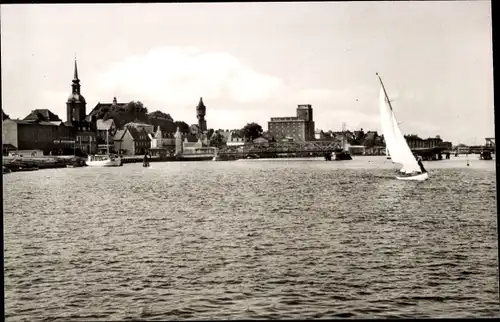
{"points": [[299, 128], [38, 135]]}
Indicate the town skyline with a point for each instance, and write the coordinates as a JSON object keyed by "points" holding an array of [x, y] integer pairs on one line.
{"points": [[435, 58]]}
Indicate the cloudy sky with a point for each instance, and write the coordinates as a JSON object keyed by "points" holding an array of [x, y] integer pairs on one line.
{"points": [[253, 61]]}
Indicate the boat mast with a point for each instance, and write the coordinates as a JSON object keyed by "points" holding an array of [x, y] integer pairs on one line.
{"points": [[344, 139], [385, 92], [107, 144]]}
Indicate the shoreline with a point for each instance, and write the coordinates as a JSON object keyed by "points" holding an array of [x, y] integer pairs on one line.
{"points": [[17, 164]]}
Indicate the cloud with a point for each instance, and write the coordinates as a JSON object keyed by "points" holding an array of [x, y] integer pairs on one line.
{"points": [[356, 106], [55, 101], [172, 79], [354, 120], [177, 75], [337, 96], [319, 94], [420, 128], [235, 118]]}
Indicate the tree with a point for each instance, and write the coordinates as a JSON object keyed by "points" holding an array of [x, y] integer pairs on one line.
{"points": [[135, 107], [163, 120], [251, 131], [135, 111], [130, 112], [359, 136], [102, 113], [183, 126], [160, 116], [210, 132], [217, 140]]}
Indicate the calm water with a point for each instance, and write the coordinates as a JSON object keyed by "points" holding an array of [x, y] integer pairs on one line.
{"points": [[251, 239]]}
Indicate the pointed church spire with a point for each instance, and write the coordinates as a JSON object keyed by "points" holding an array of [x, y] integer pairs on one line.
{"points": [[75, 76], [76, 87], [76, 102], [76, 81]]}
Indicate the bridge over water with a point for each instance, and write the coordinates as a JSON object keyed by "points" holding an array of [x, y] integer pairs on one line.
{"points": [[274, 148], [320, 148]]}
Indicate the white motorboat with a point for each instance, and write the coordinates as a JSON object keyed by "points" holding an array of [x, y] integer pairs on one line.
{"points": [[106, 160]]}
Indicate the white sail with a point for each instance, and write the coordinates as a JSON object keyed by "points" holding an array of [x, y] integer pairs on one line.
{"points": [[395, 141], [408, 160], [386, 124]]}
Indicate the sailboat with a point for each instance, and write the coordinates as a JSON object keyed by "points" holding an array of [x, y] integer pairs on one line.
{"points": [[396, 143], [106, 160]]}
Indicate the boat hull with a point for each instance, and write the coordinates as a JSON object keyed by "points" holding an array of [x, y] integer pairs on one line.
{"points": [[104, 163], [342, 156], [194, 158], [418, 177]]}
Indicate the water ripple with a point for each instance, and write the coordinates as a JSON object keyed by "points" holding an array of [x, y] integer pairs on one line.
{"points": [[250, 240]]}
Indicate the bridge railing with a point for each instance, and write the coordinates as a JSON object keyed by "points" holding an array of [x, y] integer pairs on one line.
{"points": [[284, 147], [490, 142]]}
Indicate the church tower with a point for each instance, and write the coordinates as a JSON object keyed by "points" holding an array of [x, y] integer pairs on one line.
{"points": [[75, 105], [200, 114]]}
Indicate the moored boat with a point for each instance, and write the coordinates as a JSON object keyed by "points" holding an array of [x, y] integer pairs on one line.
{"points": [[106, 160], [342, 154], [21, 168]]}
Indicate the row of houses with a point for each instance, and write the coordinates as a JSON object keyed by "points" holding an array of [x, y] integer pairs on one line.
{"points": [[45, 133], [137, 138]]}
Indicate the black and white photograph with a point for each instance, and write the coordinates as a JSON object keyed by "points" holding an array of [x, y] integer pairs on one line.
{"points": [[248, 160]]}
